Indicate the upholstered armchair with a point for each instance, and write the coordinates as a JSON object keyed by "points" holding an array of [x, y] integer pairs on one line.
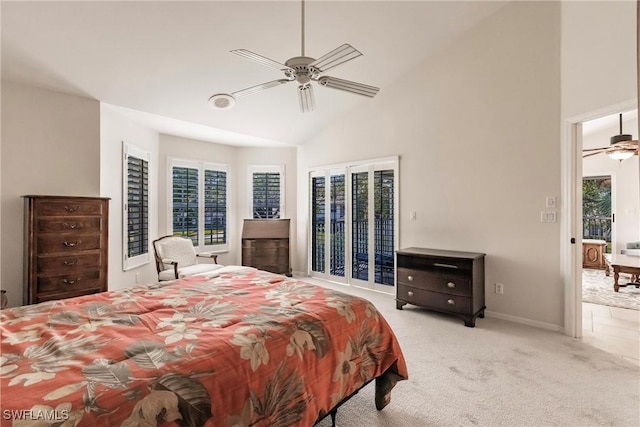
{"points": [[176, 258]]}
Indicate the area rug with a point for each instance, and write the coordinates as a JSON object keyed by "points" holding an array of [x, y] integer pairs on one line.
{"points": [[597, 288]]}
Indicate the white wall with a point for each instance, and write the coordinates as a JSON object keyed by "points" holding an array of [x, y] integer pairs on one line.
{"points": [[625, 181], [115, 129], [50, 146], [598, 55], [477, 132], [286, 157]]}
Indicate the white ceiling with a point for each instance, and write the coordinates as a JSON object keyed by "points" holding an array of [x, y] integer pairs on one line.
{"points": [[162, 59]]}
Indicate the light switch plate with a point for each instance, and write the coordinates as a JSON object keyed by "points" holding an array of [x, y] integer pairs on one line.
{"points": [[550, 202]]}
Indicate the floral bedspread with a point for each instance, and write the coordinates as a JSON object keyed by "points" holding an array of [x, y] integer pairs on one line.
{"points": [[245, 348]]}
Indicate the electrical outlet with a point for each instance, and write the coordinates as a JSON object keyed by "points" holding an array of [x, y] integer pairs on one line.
{"points": [[499, 288], [137, 277]]}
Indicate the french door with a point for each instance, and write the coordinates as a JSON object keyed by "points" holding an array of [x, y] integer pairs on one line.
{"points": [[353, 224]]}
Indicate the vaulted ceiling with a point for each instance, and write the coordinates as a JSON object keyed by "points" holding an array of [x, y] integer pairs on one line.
{"points": [[160, 61]]}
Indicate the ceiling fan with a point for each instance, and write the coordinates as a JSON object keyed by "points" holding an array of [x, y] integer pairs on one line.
{"points": [[621, 147], [304, 70]]}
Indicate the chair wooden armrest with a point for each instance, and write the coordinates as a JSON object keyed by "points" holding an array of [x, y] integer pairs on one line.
{"points": [[175, 266], [211, 255]]}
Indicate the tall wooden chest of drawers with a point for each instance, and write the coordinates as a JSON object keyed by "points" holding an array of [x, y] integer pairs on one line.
{"points": [[265, 245], [66, 248], [447, 281]]}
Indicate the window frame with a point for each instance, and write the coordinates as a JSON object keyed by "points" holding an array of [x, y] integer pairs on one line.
{"points": [[129, 263], [251, 170], [201, 166]]}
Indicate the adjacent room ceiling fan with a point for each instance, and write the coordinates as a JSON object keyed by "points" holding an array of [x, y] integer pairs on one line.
{"points": [[621, 147], [304, 70]]}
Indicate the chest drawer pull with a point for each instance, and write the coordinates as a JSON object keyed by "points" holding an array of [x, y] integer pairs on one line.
{"points": [[438, 264], [410, 278], [70, 282], [71, 244], [71, 208], [410, 293], [451, 302], [451, 285], [70, 263], [71, 226]]}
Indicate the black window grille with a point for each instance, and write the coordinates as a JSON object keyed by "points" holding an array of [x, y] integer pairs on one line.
{"points": [[384, 226], [137, 206], [185, 203], [317, 224], [266, 195], [215, 207], [337, 224], [360, 226]]}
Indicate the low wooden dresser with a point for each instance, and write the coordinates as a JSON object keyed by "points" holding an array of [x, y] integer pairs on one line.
{"points": [[66, 247], [446, 281]]}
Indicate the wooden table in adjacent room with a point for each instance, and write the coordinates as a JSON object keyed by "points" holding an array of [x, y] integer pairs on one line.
{"points": [[625, 264]]}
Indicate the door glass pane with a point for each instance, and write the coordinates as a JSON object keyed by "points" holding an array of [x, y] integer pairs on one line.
{"points": [[337, 237], [384, 226], [185, 203], [360, 226], [317, 224], [596, 209]]}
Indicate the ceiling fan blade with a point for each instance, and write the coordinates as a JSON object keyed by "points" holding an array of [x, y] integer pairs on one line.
{"points": [[307, 101], [337, 56], [626, 144], [595, 149], [349, 86], [584, 155], [261, 59], [257, 88]]}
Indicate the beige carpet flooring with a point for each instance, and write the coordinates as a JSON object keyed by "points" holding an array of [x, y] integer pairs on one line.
{"points": [[496, 374]]}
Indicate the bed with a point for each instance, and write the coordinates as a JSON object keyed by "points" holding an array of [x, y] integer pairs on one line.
{"points": [[244, 347]]}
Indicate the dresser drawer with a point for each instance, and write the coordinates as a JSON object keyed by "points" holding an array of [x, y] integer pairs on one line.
{"points": [[440, 301], [441, 265], [71, 282], [450, 284], [69, 207], [65, 264], [70, 225], [67, 243], [67, 294]]}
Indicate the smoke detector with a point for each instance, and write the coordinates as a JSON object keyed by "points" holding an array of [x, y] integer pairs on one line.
{"points": [[222, 101]]}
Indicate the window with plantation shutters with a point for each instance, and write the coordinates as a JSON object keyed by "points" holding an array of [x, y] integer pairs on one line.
{"points": [[267, 192], [215, 207], [136, 208], [185, 203], [199, 203]]}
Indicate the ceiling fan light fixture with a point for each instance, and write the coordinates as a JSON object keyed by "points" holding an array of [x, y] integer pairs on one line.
{"points": [[620, 154], [222, 101]]}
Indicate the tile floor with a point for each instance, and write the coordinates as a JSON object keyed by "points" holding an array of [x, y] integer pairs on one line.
{"points": [[612, 329]]}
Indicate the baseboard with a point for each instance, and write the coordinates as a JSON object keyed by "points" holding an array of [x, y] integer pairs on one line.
{"points": [[525, 321]]}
